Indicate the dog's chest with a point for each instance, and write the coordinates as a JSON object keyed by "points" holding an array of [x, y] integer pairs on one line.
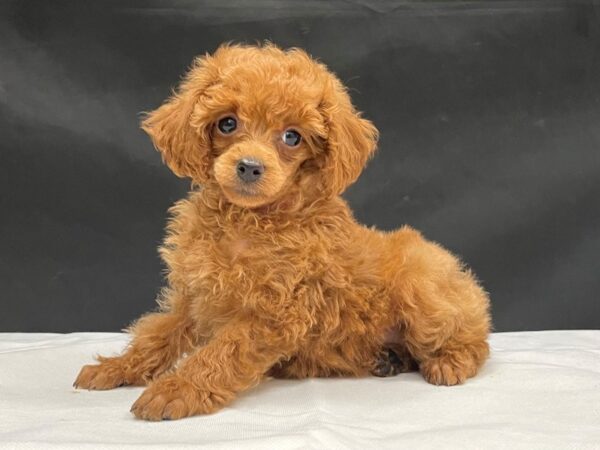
{"points": [[233, 248], [233, 269], [227, 264]]}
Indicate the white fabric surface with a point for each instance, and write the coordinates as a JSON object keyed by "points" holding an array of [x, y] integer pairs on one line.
{"points": [[538, 390]]}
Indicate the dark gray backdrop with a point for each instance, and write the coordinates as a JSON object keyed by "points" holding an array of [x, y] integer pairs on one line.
{"points": [[490, 128]]}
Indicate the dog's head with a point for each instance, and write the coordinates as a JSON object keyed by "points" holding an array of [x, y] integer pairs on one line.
{"points": [[260, 122]]}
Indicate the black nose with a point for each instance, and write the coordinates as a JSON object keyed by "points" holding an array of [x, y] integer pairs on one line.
{"points": [[249, 170]]}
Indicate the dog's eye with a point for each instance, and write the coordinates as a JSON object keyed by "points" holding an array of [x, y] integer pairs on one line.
{"points": [[227, 125], [291, 138]]}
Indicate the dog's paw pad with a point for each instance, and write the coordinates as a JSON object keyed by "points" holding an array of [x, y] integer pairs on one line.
{"points": [[389, 363]]}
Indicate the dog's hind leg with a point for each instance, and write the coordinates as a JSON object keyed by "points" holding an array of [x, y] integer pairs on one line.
{"points": [[443, 311]]}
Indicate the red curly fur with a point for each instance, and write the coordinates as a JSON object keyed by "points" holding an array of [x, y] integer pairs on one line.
{"points": [[280, 279]]}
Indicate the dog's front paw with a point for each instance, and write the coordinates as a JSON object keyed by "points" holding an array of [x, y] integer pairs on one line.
{"points": [[100, 377], [171, 397]]}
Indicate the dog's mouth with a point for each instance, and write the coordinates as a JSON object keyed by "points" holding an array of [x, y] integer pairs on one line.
{"points": [[245, 190], [244, 195]]}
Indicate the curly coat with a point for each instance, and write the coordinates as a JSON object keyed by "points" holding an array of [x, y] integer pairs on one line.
{"points": [[278, 279]]}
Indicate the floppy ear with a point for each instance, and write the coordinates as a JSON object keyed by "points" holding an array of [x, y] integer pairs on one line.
{"points": [[177, 129], [351, 139]]}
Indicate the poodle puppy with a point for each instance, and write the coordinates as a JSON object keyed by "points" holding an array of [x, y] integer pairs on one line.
{"points": [[268, 272]]}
